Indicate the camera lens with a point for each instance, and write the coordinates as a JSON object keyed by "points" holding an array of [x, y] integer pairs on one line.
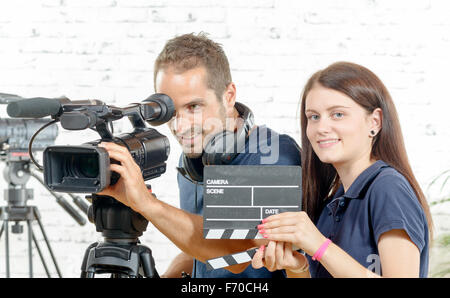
{"points": [[83, 169], [87, 165], [82, 166]]}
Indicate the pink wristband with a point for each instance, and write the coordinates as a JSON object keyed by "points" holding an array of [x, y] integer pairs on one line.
{"points": [[319, 253]]}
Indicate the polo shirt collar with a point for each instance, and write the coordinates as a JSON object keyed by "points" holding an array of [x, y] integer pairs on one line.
{"points": [[362, 180]]}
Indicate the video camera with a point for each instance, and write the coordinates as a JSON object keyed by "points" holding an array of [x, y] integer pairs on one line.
{"points": [[85, 168]]}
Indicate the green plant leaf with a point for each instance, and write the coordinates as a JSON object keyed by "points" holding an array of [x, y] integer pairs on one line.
{"points": [[437, 178], [444, 183], [440, 202], [444, 240], [442, 273]]}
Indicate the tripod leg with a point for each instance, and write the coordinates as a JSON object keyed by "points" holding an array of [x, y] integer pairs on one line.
{"points": [[6, 228], [41, 256], [30, 253], [87, 275], [86, 272], [1, 231], [148, 265], [38, 218]]}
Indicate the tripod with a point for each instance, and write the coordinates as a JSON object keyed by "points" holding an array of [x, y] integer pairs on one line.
{"points": [[121, 253], [17, 173]]}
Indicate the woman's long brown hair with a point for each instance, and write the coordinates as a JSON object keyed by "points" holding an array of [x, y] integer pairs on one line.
{"points": [[320, 180]]}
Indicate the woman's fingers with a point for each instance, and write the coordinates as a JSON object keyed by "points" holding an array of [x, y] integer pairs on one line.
{"points": [[288, 221], [291, 256], [287, 237], [257, 260], [287, 248], [285, 217], [280, 216], [269, 256], [280, 230], [279, 255]]}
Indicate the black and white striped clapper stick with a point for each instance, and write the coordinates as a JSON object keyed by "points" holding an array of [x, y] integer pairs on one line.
{"points": [[233, 259], [232, 234]]}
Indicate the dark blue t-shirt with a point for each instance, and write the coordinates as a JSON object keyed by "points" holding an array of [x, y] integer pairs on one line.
{"points": [[264, 147], [379, 200]]}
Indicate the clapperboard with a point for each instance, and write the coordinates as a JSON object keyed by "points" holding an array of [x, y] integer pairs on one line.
{"points": [[237, 198]]}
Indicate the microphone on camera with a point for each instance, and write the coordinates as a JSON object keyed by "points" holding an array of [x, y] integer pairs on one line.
{"points": [[37, 107], [156, 109]]}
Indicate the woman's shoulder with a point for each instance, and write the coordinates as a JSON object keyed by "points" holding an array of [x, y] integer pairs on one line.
{"points": [[393, 204], [390, 187], [390, 179]]}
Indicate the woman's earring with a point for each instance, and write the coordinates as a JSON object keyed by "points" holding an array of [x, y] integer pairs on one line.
{"points": [[372, 133]]}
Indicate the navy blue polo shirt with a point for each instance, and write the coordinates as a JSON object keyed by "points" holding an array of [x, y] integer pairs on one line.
{"points": [[264, 146], [379, 200]]}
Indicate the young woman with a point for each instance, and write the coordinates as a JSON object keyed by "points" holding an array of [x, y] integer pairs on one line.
{"points": [[365, 214]]}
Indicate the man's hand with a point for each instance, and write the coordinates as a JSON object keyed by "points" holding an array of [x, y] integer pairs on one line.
{"points": [[181, 263], [130, 189]]}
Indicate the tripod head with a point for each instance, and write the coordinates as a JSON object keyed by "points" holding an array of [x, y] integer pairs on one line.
{"points": [[17, 174], [117, 222]]}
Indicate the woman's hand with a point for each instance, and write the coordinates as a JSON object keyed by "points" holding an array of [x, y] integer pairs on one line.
{"points": [[294, 227], [130, 189], [277, 256]]}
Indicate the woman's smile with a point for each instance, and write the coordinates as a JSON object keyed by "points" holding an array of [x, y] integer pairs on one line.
{"points": [[327, 143]]}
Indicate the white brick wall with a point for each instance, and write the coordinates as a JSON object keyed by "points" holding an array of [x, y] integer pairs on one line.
{"points": [[105, 49]]}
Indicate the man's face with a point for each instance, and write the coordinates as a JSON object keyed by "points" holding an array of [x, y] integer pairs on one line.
{"points": [[199, 114]]}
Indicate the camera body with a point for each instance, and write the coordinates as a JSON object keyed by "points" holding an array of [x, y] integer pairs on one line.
{"points": [[85, 168]]}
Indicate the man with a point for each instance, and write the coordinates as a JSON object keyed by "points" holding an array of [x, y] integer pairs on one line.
{"points": [[194, 71]]}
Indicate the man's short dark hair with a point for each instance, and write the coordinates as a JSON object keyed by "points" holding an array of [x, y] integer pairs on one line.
{"points": [[189, 51]]}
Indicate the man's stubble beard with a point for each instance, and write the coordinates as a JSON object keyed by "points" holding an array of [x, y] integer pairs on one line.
{"points": [[206, 136]]}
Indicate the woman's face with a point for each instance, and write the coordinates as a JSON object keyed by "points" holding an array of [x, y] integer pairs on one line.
{"points": [[337, 127]]}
